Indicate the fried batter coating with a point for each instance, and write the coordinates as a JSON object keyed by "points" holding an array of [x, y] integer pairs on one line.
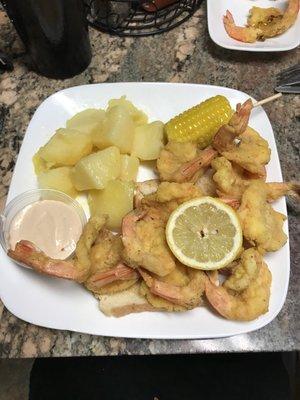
{"points": [[244, 272], [143, 230], [143, 235], [230, 178], [183, 162], [180, 290], [106, 266], [247, 294], [76, 269], [262, 226]]}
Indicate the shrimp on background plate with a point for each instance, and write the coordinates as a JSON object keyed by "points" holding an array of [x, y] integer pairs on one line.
{"points": [[262, 23], [247, 34]]}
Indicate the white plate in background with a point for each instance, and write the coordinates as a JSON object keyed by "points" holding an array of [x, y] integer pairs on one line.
{"points": [[61, 304], [240, 9]]}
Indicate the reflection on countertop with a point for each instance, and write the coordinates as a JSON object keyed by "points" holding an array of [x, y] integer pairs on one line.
{"points": [[185, 54]]}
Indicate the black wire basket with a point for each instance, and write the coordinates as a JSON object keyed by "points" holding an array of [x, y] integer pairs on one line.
{"points": [[139, 17]]}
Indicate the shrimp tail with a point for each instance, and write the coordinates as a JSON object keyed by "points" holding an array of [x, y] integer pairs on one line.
{"points": [[240, 119], [120, 272], [168, 292], [27, 253], [217, 297], [231, 201], [189, 169], [240, 33], [129, 222], [238, 123], [279, 189]]}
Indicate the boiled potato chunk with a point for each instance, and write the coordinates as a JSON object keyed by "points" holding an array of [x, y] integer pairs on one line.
{"points": [[118, 130], [148, 141], [138, 116], [89, 121], [66, 147], [97, 169], [39, 164], [129, 167], [116, 200], [58, 179]]}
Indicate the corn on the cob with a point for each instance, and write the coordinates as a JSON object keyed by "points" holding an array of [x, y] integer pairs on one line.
{"points": [[201, 122]]}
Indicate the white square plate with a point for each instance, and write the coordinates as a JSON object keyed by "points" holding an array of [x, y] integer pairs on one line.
{"points": [[61, 304], [240, 9]]}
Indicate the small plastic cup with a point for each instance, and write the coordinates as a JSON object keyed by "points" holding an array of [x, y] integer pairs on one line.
{"points": [[27, 198]]}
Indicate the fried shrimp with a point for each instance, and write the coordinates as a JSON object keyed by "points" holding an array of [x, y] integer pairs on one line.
{"points": [[183, 162], [170, 195], [182, 287], [271, 21], [108, 274], [230, 178], [76, 269], [247, 293], [262, 226], [245, 270], [247, 34], [262, 23], [143, 236], [143, 230], [232, 181], [97, 262], [241, 144]]}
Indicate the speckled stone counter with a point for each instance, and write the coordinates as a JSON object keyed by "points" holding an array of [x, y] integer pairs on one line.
{"points": [[186, 54]]}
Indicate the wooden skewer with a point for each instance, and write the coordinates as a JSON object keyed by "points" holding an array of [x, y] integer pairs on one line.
{"points": [[267, 100]]}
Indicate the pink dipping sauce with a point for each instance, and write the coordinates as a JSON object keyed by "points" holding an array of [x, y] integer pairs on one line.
{"points": [[53, 226]]}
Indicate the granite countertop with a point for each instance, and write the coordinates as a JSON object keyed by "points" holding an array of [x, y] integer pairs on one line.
{"points": [[185, 54]]}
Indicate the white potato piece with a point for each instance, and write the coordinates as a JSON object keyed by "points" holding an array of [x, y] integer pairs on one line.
{"points": [[129, 167], [97, 169], [58, 179], [39, 164], [66, 147], [118, 130], [116, 200], [148, 141], [138, 116], [89, 121]]}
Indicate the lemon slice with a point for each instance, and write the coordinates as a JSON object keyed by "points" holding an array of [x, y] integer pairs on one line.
{"points": [[204, 233]]}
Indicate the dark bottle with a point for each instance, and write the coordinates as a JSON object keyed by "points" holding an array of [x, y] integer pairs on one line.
{"points": [[55, 34]]}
